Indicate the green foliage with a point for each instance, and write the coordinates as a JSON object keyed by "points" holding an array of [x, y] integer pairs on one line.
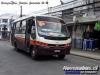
{"points": [[97, 26]]}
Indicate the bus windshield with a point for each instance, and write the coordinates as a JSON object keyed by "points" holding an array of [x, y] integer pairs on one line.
{"points": [[48, 26]]}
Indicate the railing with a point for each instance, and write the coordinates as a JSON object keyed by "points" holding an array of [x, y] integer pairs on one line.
{"points": [[68, 5], [73, 4]]}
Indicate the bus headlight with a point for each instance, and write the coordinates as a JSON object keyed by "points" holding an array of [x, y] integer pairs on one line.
{"points": [[41, 44]]}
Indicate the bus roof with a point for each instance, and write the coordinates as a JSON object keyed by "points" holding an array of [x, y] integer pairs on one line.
{"points": [[25, 17]]}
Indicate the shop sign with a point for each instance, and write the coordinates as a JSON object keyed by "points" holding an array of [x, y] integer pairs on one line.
{"points": [[87, 18]]}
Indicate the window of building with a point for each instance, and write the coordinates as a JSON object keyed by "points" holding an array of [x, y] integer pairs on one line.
{"points": [[5, 20]]}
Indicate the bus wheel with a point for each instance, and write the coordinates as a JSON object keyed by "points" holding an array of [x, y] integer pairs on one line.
{"points": [[34, 54], [61, 56], [15, 45]]}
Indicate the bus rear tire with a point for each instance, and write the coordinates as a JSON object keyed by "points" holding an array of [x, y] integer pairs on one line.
{"points": [[61, 56], [15, 46]]}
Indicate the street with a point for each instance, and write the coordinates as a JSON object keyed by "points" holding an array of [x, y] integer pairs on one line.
{"points": [[20, 63]]}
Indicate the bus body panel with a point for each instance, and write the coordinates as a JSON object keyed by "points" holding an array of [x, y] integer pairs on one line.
{"points": [[44, 46]]}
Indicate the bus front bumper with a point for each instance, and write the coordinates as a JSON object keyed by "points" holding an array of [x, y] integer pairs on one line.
{"points": [[53, 51]]}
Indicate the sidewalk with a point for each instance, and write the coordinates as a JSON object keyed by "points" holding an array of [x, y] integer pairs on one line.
{"points": [[88, 54]]}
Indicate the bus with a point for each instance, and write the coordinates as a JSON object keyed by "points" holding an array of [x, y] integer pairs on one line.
{"points": [[41, 35]]}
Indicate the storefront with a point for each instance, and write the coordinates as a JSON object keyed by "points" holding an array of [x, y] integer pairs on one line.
{"points": [[77, 30]]}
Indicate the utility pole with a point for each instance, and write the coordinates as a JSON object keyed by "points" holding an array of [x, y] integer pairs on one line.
{"points": [[61, 2], [62, 10], [48, 6], [20, 11], [93, 7]]}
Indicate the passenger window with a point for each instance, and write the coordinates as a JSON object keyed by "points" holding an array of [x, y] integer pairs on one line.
{"points": [[23, 27], [17, 31]]}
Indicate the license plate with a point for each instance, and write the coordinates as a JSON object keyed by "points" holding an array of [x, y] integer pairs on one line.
{"points": [[57, 51]]}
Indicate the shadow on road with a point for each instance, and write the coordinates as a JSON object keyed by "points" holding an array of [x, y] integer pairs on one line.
{"points": [[41, 58]]}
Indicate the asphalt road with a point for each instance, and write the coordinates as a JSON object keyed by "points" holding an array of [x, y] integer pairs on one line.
{"points": [[20, 63]]}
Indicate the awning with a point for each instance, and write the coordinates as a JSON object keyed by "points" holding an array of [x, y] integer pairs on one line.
{"points": [[81, 23]]}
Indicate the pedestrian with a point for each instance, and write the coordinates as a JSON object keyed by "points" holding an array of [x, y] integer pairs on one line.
{"points": [[86, 38]]}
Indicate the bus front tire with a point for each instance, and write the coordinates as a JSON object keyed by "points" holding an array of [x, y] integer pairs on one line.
{"points": [[33, 54], [61, 56]]}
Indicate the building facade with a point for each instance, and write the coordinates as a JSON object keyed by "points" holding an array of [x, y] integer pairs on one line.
{"points": [[5, 24]]}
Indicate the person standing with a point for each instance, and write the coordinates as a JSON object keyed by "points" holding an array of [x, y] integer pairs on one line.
{"points": [[87, 35]]}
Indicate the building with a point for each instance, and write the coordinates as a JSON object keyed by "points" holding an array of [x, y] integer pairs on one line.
{"points": [[5, 23]]}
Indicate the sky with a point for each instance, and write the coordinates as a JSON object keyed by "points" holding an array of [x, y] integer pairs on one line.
{"points": [[29, 6]]}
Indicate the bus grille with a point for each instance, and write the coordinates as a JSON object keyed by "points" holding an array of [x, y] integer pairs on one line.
{"points": [[56, 45]]}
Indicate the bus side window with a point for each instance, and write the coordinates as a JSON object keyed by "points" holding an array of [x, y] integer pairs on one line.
{"points": [[17, 31], [23, 27]]}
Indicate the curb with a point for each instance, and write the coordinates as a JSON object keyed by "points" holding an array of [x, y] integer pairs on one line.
{"points": [[4, 40], [86, 55]]}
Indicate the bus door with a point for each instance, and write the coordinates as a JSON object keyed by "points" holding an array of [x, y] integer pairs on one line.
{"points": [[28, 33], [12, 36], [23, 31]]}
